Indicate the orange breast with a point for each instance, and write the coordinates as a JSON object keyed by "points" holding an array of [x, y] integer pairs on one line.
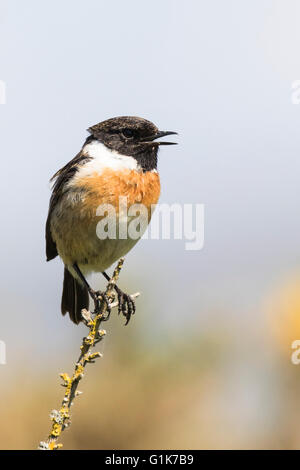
{"points": [[107, 187]]}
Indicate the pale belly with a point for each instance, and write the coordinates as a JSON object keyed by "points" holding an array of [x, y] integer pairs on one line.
{"points": [[74, 219], [74, 230]]}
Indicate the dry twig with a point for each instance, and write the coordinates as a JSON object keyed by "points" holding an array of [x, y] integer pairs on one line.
{"points": [[61, 419]]}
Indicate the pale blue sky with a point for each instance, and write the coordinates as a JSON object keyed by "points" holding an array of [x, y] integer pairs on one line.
{"points": [[217, 72]]}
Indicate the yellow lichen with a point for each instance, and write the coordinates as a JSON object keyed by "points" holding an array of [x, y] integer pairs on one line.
{"points": [[61, 419]]}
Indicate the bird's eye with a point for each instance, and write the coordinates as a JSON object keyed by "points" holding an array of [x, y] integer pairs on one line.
{"points": [[128, 133]]}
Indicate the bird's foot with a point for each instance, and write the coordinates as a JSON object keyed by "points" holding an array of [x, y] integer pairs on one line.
{"points": [[97, 296], [126, 304]]}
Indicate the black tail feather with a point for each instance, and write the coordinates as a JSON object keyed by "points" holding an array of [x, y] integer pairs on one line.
{"points": [[75, 297]]}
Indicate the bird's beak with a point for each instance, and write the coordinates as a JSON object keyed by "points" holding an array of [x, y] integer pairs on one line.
{"points": [[159, 134]]}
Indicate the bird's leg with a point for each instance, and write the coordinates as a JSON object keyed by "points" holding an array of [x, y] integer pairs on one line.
{"points": [[126, 304], [94, 294]]}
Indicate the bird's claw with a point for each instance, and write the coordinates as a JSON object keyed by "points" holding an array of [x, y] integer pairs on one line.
{"points": [[126, 305], [97, 296]]}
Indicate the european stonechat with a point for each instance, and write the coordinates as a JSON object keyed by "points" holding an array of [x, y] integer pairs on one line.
{"points": [[118, 159]]}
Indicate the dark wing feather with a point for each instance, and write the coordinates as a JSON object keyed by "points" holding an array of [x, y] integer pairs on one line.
{"points": [[61, 177], [51, 251]]}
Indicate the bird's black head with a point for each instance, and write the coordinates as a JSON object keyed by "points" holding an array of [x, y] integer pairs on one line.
{"points": [[132, 136]]}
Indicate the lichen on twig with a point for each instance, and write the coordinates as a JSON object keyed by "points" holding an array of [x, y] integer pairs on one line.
{"points": [[61, 418]]}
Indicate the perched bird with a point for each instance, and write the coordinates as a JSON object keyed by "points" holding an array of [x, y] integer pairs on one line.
{"points": [[118, 159]]}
